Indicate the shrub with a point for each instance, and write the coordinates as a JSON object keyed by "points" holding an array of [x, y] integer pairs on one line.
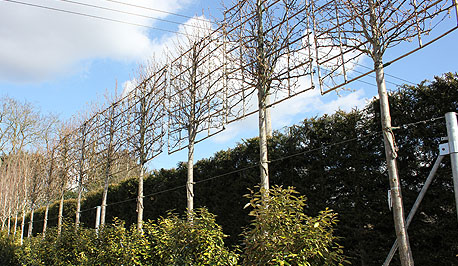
{"points": [[70, 248], [177, 241], [282, 234], [7, 250], [116, 245]]}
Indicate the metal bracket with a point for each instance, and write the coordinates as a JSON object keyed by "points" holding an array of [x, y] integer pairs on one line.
{"points": [[444, 149]]}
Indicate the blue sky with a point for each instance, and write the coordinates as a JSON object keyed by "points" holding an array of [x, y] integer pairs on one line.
{"points": [[61, 62]]}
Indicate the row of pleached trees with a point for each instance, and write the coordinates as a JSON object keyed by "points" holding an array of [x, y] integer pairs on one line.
{"points": [[35, 171], [275, 49], [335, 160]]}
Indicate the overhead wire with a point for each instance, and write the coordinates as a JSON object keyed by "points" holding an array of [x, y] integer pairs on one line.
{"points": [[389, 75], [161, 11], [97, 17], [131, 13]]}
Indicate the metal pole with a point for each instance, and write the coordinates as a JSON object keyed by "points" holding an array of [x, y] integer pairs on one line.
{"points": [[452, 132], [415, 206], [97, 219]]}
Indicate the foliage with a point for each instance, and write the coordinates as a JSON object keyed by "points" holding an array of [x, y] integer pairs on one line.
{"points": [[8, 248], [282, 234], [70, 248], [113, 245], [172, 241], [116, 245], [177, 241]]}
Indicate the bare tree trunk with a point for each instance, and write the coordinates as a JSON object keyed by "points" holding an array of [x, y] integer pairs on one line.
{"points": [[29, 235], [78, 203], [22, 225], [104, 199], [109, 158], [262, 94], [192, 128], [16, 214], [61, 214], [142, 163], [190, 181], [9, 221], [264, 166], [390, 153], [4, 212], [268, 118], [140, 199], [80, 177], [15, 223], [49, 182], [45, 222], [405, 252]]}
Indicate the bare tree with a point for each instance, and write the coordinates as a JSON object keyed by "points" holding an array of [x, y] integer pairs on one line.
{"points": [[49, 184], [11, 178], [266, 41], [63, 151], [81, 148], [21, 125], [146, 118], [35, 180], [369, 28], [13, 168], [49, 137], [109, 132], [7, 190], [21, 128], [196, 96], [25, 172], [111, 142], [4, 191], [18, 128]]}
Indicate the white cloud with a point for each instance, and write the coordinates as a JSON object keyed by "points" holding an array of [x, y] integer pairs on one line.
{"points": [[346, 103], [36, 44], [165, 48], [234, 130], [128, 86], [169, 45]]}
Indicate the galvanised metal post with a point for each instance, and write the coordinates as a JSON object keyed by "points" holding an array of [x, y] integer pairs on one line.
{"points": [[452, 132]]}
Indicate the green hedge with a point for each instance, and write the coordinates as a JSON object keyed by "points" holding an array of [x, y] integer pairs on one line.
{"points": [[191, 240]]}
